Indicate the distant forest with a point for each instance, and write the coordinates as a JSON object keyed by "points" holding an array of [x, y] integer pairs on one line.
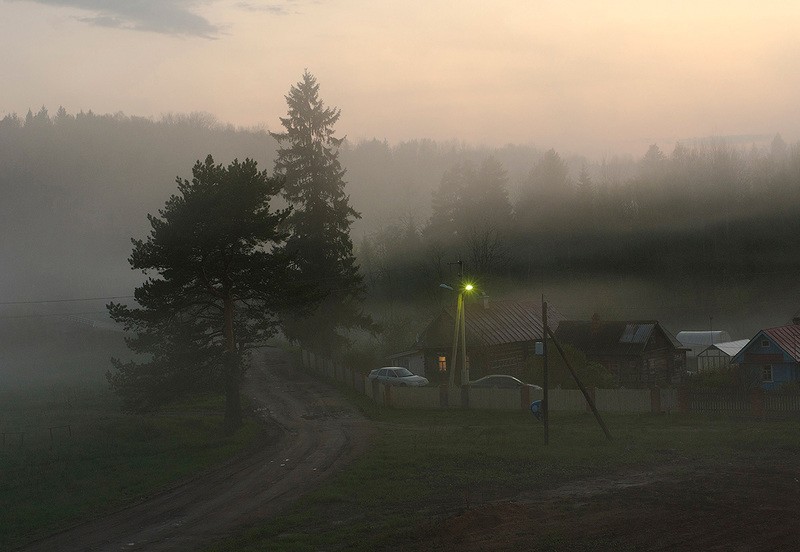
{"points": [[714, 212], [76, 188]]}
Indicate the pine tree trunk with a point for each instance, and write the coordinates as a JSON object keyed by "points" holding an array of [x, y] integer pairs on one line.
{"points": [[233, 406]]}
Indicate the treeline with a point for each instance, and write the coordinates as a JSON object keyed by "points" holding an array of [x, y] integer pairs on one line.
{"points": [[76, 188], [712, 210]]}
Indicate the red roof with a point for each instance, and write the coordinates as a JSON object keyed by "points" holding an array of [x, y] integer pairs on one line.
{"points": [[787, 338]]}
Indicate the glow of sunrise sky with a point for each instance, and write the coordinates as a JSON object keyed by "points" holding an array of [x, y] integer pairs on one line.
{"points": [[585, 77]]}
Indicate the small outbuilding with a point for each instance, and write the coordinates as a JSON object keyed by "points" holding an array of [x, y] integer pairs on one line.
{"points": [[697, 341], [719, 356]]}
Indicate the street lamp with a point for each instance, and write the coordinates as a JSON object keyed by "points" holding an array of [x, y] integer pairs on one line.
{"points": [[460, 327]]}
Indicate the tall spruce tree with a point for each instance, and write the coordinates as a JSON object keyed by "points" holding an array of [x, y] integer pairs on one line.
{"points": [[320, 244], [222, 277]]}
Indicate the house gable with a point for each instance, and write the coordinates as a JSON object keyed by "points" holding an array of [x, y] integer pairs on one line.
{"points": [[771, 345], [771, 357]]}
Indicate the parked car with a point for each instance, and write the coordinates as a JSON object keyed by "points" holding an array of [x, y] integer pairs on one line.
{"points": [[500, 381], [395, 375]]}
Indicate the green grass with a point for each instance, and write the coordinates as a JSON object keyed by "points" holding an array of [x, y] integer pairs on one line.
{"points": [[110, 459], [427, 465]]}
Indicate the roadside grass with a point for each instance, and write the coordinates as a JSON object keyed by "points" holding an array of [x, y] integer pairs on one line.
{"points": [[424, 466], [97, 458]]}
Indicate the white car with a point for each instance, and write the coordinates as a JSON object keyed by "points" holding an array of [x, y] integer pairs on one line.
{"points": [[501, 381], [395, 375]]}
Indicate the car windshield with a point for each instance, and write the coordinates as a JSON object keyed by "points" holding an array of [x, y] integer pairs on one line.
{"points": [[403, 373]]}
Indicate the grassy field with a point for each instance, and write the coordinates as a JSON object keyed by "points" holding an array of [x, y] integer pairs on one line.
{"points": [[430, 466], [70, 454]]}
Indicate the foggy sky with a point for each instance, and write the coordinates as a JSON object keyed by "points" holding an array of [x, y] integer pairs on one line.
{"points": [[594, 78]]}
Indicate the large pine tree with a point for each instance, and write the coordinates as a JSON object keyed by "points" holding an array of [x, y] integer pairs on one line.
{"points": [[222, 276], [320, 244]]}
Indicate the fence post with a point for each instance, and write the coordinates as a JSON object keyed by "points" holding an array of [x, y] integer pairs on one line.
{"points": [[387, 395], [757, 403], [684, 403], [655, 400]]}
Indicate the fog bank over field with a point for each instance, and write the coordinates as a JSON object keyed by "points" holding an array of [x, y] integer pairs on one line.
{"points": [[695, 235]]}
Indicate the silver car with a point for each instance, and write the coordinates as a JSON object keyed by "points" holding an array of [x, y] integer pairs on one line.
{"points": [[395, 375], [501, 381]]}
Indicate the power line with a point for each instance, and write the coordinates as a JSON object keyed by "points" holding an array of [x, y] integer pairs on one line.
{"points": [[42, 301], [51, 315]]}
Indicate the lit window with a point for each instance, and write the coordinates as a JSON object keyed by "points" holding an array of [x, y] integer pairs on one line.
{"points": [[766, 373], [442, 363]]}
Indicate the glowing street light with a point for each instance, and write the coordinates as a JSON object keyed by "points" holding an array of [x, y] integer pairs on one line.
{"points": [[460, 327]]}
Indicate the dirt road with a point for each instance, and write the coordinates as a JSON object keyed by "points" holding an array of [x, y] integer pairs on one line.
{"points": [[315, 433]]}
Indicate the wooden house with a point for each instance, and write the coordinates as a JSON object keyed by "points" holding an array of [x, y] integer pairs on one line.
{"points": [[639, 353], [501, 336], [772, 358]]}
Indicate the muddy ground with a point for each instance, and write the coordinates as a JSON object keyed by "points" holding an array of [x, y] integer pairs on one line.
{"points": [[310, 433], [675, 507]]}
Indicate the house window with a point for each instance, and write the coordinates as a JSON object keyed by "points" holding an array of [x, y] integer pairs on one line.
{"points": [[442, 363], [765, 342], [766, 373]]}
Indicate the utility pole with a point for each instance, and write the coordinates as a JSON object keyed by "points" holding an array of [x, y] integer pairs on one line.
{"points": [[456, 331], [547, 334], [459, 327], [545, 408], [464, 366], [586, 395]]}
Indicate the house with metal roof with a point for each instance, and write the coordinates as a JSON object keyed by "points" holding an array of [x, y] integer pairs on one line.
{"points": [[771, 358], [719, 355], [500, 338], [639, 353]]}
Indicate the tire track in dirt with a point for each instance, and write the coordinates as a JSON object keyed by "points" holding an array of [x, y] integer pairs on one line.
{"points": [[317, 433]]}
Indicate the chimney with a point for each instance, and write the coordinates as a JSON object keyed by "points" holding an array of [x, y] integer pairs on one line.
{"points": [[485, 301]]}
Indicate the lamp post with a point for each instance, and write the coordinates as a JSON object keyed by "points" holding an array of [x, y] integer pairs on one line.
{"points": [[460, 327]]}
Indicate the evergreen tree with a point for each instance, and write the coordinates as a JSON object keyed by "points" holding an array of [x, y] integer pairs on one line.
{"points": [[222, 277], [543, 194], [449, 205], [320, 245]]}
